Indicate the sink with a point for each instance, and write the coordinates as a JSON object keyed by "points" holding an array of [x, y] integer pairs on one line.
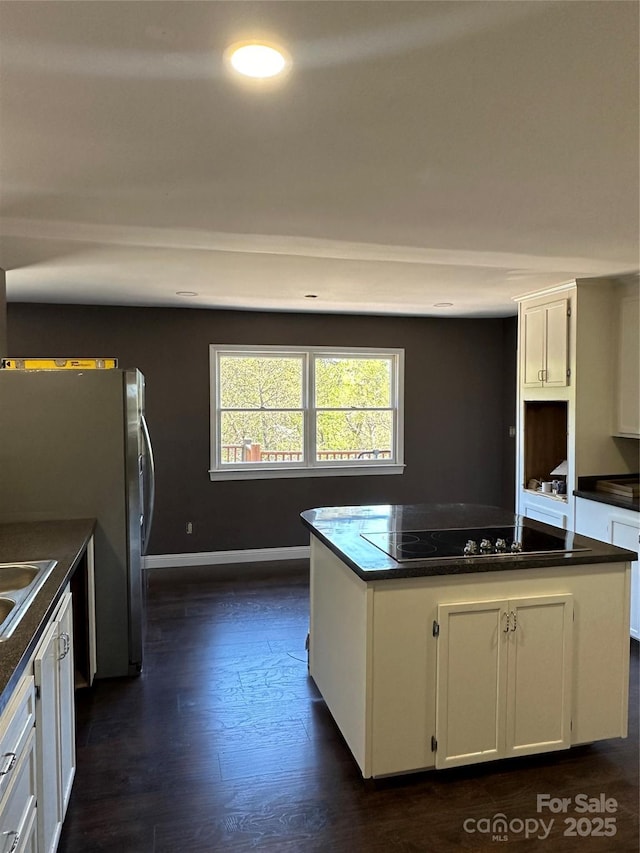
{"points": [[16, 576], [6, 606], [19, 585]]}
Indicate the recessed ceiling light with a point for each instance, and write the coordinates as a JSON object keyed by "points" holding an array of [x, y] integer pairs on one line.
{"points": [[257, 59], [442, 304]]}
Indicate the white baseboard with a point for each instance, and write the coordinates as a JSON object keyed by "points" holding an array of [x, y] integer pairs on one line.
{"points": [[218, 558]]}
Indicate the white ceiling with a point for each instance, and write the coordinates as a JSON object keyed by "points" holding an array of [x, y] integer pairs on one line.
{"points": [[418, 152]]}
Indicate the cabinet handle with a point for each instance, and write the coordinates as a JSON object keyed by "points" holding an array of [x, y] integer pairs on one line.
{"points": [[66, 641], [515, 620], [10, 764], [540, 372], [505, 630], [16, 838]]}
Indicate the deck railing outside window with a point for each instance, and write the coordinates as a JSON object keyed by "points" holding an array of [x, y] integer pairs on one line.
{"points": [[250, 452]]}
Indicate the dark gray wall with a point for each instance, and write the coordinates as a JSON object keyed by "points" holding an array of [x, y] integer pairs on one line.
{"points": [[459, 402]]}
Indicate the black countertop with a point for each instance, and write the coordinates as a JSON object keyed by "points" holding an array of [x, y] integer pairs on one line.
{"points": [[587, 489], [64, 541], [340, 529]]}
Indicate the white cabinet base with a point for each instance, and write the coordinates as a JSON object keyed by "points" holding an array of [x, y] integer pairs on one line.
{"points": [[619, 527], [625, 532], [374, 658]]}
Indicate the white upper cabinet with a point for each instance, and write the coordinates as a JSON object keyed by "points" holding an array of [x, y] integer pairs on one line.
{"points": [[628, 390], [577, 350], [545, 344]]}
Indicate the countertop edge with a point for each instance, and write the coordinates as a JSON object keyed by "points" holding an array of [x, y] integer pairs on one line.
{"points": [[633, 505], [599, 553]]}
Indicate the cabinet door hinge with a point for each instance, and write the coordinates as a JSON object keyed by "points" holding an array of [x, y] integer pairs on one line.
{"points": [[37, 691], [568, 372], [434, 743], [436, 629], [568, 310]]}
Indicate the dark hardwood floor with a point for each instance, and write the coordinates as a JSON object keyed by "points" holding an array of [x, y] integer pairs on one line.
{"points": [[224, 744]]}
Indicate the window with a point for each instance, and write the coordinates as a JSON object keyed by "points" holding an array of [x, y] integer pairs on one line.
{"points": [[300, 412]]}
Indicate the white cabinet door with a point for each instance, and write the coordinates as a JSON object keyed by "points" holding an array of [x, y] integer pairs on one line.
{"points": [[55, 724], [533, 324], [471, 681], [625, 532], [503, 678], [66, 706], [47, 740], [556, 344], [539, 674], [544, 342]]}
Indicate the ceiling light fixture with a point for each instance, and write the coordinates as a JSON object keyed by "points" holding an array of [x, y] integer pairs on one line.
{"points": [[186, 293], [443, 304], [257, 59], [311, 296]]}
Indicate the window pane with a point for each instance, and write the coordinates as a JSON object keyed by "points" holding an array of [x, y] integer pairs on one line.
{"points": [[261, 437], [358, 436], [249, 382], [346, 382]]}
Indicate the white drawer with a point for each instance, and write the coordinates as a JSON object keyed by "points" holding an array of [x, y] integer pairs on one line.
{"points": [[28, 839], [19, 804], [17, 720]]}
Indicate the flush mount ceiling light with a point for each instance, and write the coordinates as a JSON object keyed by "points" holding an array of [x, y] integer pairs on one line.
{"points": [[186, 293], [442, 304], [258, 60]]}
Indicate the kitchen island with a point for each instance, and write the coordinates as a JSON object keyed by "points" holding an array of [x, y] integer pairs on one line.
{"points": [[457, 659]]}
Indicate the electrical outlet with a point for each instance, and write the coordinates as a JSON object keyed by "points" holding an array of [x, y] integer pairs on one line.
{"points": [[189, 527]]}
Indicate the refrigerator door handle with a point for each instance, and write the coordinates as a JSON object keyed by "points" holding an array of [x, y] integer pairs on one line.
{"points": [[149, 498]]}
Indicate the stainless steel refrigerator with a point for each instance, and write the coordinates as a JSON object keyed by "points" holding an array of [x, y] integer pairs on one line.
{"points": [[75, 444]]}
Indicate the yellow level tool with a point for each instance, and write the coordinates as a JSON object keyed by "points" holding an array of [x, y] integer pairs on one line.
{"points": [[59, 363]]}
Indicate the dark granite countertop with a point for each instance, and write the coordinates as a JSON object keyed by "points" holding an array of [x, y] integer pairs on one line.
{"points": [[64, 541], [587, 489], [340, 529]]}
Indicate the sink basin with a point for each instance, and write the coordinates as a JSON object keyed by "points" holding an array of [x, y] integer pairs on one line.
{"points": [[6, 606], [16, 576], [19, 585]]}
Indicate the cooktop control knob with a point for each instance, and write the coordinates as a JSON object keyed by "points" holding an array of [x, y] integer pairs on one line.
{"points": [[516, 547], [471, 547], [486, 545], [501, 545]]}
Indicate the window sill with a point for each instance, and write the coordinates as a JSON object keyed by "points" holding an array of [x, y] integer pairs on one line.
{"points": [[324, 471]]}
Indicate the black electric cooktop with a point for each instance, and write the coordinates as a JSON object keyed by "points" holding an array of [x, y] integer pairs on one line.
{"points": [[504, 541]]}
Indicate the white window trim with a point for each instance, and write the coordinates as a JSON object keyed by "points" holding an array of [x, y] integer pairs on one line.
{"points": [[264, 471]]}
